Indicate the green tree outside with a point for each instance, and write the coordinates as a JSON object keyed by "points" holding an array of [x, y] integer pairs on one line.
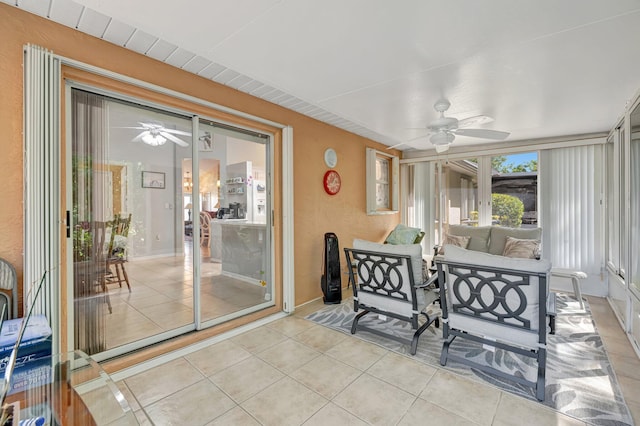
{"points": [[498, 164], [507, 210]]}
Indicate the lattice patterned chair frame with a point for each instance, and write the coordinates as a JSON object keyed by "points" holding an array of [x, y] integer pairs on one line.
{"points": [[498, 302], [385, 284]]}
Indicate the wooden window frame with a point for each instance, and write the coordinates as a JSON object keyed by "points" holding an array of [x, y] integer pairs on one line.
{"points": [[374, 207]]}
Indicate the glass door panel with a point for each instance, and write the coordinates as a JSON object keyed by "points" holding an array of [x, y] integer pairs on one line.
{"points": [[232, 211], [459, 198], [132, 280], [164, 245], [634, 202], [514, 190]]}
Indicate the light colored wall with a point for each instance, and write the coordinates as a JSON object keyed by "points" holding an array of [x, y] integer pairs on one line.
{"points": [[315, 211]]}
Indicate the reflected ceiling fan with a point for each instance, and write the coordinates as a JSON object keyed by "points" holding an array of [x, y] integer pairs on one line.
{"points": [[443, 130], [155, 134]]}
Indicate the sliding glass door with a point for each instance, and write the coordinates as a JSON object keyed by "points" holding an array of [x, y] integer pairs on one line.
{"points": [[488, 190], [514, 190], [169, 223]]}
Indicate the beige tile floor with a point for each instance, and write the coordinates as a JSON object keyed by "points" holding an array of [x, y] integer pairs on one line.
{"points": [[293, 372], [161, 297]]}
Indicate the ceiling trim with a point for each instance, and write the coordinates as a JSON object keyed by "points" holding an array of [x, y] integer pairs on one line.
{"points": [[163, 90], [514, 148]]}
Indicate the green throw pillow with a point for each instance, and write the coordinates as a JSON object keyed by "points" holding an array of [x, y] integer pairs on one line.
{"points": [[402, 235]]}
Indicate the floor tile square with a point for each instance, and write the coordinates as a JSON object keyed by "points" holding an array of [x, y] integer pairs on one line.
{"points": [[320, 338], [286, 402], [218, 357], [422, 410], [403, 372], [235, 416], [375, 401], [331, 414], [472, 400], [259, 339], [246, 378], [159, 382], [357, 353], [326, 375], [288, 355], [290, 326], [194, 405]]}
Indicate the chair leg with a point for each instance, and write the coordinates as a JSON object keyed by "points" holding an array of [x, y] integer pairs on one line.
{"points": [[118, 275], [542, 360], [576, 291], [445, 351], [105, 290], [419, 331], [354, 325], [126, 277]]}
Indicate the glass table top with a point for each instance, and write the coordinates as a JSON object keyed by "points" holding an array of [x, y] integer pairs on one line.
{"points": [[68, 389]]}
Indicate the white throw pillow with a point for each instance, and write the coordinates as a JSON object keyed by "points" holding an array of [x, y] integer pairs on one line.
{"points": [[526, 249]]}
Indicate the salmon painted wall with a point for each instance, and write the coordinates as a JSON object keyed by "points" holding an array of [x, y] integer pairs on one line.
{"points": [[315, 211]]}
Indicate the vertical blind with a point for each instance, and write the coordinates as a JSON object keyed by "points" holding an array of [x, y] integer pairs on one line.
{"points": [[90, 190], [420, 200], [41, 183], [571, 193], [634, 212]]}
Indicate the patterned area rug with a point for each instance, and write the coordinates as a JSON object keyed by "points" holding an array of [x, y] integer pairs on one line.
{"points": [[580, 381]]}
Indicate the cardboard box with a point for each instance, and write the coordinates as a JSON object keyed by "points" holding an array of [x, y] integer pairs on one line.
{"points": [[33, 362]]}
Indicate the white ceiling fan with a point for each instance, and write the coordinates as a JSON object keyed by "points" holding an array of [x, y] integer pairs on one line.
{"points": [[155, 134], [443, 131]]}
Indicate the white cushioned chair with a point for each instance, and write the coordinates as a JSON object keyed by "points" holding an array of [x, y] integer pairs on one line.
{"points": [[497, 301], [387, 281]]}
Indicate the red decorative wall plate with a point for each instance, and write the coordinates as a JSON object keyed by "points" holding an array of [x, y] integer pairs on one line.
{"points": [[332, 182]]}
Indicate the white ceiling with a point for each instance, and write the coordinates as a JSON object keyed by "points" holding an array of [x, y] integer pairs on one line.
{"points": [[541, 68]]}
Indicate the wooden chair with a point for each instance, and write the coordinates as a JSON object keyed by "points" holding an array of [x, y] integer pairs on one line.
{"points": [[8, 282], [90, 271], [205, 228], [117, 252], [388, 283]]}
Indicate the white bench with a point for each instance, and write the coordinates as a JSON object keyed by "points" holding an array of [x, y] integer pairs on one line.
{"points": [[575, 277]]}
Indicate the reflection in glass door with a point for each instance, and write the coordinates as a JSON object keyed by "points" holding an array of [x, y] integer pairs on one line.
{"points": [[231, 210], [163, 245], [458, 203], [127, 287]]}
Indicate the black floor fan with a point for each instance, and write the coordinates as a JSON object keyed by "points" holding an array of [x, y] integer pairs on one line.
{"points": [[331, 281]]}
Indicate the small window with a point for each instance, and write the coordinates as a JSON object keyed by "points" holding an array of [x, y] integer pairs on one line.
{"points": [[382, 182]]}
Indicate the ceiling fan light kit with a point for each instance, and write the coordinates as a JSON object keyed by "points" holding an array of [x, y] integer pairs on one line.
{"points": [[442, 148], [442, 138], [443, 130], [153, 140], [155, 134]]}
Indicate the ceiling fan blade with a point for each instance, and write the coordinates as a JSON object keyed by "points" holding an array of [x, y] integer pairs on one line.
{"points": [[396, 145], [174, 139], [419, 137], [474, 121], [482, 133], [175, 132], [137, 128], [140, 136]]}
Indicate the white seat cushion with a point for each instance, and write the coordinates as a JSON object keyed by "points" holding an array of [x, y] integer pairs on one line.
{"points": [[531, 291], [413, 250]]}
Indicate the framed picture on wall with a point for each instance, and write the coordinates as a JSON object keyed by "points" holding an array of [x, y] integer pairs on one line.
{"points": [[205, 143], [153, 180]]}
